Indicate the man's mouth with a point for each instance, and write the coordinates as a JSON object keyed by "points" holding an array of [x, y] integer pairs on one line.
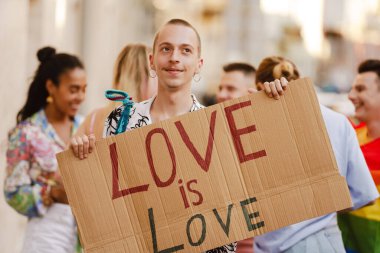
{"points": [[173, 70], [358, 106]]}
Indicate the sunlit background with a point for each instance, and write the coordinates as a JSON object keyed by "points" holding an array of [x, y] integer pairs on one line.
{"points": [[326, 39]]}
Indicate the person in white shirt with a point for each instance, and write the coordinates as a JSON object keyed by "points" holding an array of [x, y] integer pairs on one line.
{"points": [[322, 234]]}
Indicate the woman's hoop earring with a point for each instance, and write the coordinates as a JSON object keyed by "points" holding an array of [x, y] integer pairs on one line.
{"points": [[152, 73], [197, 77]]}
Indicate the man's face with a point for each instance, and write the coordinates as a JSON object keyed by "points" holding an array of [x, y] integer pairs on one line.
{"points": [[176, 57], [365, 95], [234, 84]]}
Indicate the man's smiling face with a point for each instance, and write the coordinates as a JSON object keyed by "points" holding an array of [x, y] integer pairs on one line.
{"points": [[365, 95], [176, 56]]}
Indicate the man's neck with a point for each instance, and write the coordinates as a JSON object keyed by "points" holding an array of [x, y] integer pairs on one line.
{"points": [[170, 103], [373, 129]]}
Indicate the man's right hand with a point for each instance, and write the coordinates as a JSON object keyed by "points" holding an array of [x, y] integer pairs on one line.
{"points": [[82, 145]]}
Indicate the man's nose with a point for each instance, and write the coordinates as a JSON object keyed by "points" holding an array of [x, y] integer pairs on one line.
{"points": [[222, 95], [352, 95], [175, 55]]}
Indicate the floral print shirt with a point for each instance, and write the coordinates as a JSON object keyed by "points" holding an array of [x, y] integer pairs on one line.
{"points": [[32, 146], [140, 116]]}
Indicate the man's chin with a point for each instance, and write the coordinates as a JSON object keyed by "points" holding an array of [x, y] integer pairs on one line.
{"points": [[174, 85], [360, 117]]}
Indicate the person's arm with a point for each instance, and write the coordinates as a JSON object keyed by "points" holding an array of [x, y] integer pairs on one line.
{"points": [[21, 193], [82, 144], [87, 126], [82, 128]]}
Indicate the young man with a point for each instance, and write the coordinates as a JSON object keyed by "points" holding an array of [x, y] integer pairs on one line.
{"points": [[237, 78], [361, 228], [176, 60]]}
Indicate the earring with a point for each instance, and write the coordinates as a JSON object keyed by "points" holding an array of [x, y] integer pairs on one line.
{"points": [[197, 77], [49, 99], [152, 73]]}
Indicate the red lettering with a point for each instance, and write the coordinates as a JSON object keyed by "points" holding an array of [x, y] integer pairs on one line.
{"points": [[116, 192], [148, 141], [183, 194], [204, 163], [200, 197], [236, 133]]}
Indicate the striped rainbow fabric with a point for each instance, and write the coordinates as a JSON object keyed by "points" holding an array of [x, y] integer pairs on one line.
{"points": [[361, 228]]}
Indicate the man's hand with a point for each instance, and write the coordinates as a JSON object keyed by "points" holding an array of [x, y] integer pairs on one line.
{"points": [[274, 89], [82, 145]]}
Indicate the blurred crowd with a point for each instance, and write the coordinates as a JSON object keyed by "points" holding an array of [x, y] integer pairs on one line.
{"points": [[152, 83]]}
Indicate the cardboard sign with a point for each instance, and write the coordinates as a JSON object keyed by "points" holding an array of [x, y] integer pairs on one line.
{"points": [[207, 178]]}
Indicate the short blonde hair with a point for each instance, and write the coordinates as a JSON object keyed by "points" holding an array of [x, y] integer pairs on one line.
{"points": [[132, 69]]}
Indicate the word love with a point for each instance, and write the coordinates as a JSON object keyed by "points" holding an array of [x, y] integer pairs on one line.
{"points": [[223, 222], [202, 160]]}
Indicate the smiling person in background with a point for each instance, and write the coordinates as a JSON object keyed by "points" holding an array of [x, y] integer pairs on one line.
{"points": [[361, 228], [236, 79], [45, 125]]}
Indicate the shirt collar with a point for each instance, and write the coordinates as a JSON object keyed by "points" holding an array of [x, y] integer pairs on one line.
{"points": [[39, 119]]}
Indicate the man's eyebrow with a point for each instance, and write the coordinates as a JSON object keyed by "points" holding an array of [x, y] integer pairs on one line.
{"points": [[170, 44], [164, 43], [186, 45], [359, 85]]}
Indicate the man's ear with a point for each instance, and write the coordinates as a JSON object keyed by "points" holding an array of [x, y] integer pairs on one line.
{"points": [[200, 64], [151, 60]]}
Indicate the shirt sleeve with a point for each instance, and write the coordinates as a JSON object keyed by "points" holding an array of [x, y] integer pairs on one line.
{"points": [[360, 183], [112, 121], [21, 193], [228, 248]]}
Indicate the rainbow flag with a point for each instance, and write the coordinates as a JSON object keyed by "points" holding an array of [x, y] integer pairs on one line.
{"points": [[361, 228]]}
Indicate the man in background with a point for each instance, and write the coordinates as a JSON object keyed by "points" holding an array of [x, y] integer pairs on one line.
{"points": [[361, 228], [237, 78]]}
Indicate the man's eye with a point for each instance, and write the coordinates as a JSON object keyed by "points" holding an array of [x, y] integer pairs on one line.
{"points": [[165, 49], [73, 89], [359, 89], [187, 50]]}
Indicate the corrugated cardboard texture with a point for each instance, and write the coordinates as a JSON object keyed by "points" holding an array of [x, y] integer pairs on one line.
{"points": [[207, 178]]}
